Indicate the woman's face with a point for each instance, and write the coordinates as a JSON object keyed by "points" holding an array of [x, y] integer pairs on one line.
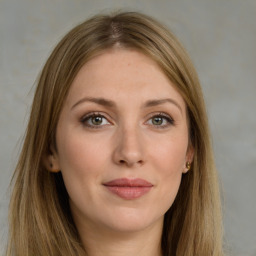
{"points": [[122, 143]]}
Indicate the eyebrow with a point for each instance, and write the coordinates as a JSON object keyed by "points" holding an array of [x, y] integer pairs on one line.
{"points": [[100, 101], [112, 104], [152, 103]]}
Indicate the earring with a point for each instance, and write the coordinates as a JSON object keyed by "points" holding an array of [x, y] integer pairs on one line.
{"points": [[53, 170], [188, 165]]}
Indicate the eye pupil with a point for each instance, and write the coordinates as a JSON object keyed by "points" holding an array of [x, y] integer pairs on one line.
{"points": [[157, 120], [96, 120]]}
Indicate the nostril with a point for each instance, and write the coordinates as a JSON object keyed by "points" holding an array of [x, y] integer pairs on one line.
{"points": [[130, 163]]}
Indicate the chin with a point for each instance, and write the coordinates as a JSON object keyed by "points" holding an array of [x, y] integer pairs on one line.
{"points": [[130, 220]]}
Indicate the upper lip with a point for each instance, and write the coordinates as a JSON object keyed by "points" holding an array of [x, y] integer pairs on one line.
{"points": [[126, 182]]}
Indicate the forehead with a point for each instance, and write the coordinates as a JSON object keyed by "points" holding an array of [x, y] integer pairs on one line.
{"points": [[119, 73]]}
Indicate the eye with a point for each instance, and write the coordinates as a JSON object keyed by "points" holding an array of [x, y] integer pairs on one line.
{"points": [[161, 120], [94, 120], [157, 120]]}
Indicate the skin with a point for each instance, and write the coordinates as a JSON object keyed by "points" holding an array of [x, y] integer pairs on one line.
{"points": [[126, 139]]}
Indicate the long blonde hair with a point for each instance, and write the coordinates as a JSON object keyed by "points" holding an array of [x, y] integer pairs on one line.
{"points": [[40, 219]]}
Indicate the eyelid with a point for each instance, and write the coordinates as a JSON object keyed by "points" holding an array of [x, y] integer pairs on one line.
{"points": [[168, 118], [89, 115]]}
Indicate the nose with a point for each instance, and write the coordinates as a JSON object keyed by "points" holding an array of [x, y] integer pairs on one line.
{"points": [[129, 150]]}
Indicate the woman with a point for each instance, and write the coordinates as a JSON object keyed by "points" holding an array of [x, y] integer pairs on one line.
{"points": [[117, 158]]}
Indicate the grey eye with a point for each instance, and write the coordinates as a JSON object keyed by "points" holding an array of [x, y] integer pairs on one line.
{"points": [[161, 121], [157, 120], [96, 120]]}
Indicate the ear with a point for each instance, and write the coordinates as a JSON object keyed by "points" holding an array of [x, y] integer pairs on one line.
{"points": [[189, 158], [51, 160]]}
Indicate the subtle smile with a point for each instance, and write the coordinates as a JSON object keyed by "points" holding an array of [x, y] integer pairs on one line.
{"points": [[128, 188]]}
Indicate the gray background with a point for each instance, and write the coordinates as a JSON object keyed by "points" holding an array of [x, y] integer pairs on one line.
{"points": [[220, 37]]}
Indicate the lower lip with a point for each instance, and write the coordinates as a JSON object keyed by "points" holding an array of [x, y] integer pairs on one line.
{"points": [[129, 193]]}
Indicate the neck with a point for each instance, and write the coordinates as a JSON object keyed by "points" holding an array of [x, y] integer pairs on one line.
{"points": [[101, 242]]}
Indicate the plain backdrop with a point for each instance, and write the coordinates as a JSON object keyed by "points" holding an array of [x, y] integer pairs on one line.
{"points": [[220, 36]]}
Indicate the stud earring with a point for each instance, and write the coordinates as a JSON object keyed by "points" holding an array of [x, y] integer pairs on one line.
{"points": [[52, 169], [55, 170], [188, 165]]}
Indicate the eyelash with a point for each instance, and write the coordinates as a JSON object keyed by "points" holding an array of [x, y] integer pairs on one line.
{"points": [[162, 115], [84, 120]]}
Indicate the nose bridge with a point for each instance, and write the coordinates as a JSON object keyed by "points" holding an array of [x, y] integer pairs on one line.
{"points": [[129, 149]]}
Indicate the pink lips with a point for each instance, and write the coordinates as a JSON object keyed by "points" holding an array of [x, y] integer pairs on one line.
{"points": [[129, 188]]}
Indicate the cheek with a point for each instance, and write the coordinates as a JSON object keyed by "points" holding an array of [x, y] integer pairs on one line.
{"points": [[81, 162], [170, 155], [79, 153], [168, 159]]}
